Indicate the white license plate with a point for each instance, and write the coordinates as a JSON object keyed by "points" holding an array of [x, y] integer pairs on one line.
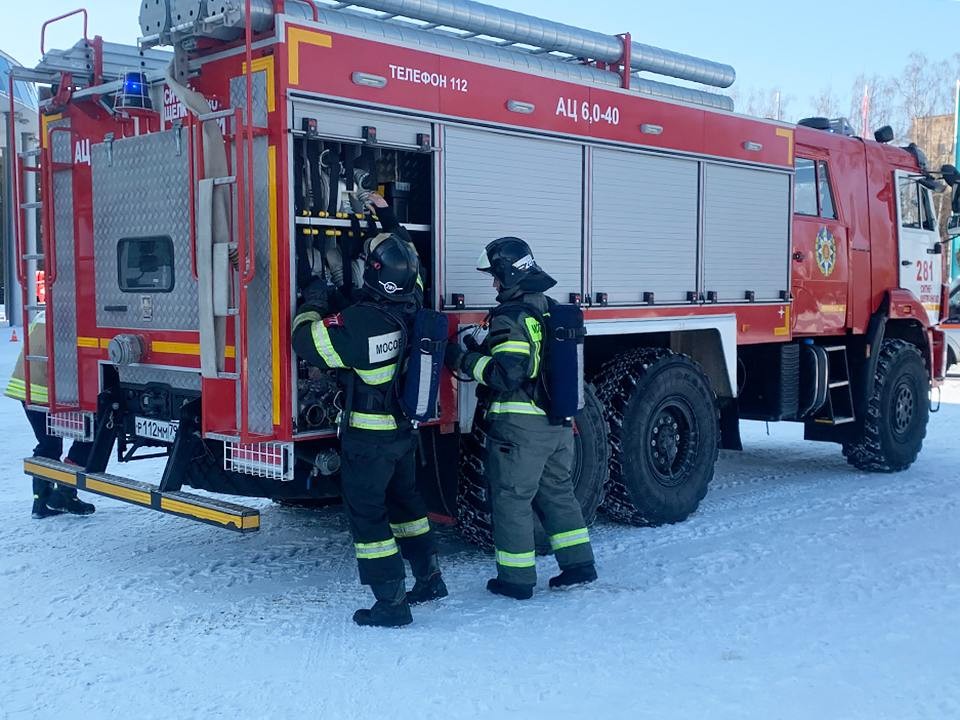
{"points": [[156, 429]]}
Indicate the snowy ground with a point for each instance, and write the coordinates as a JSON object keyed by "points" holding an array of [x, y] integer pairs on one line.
{"points": [[801, 589]]}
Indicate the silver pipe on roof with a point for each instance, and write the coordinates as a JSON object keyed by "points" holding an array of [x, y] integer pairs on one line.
{"points": [[231, 20], [555, 37], [543, 65]]}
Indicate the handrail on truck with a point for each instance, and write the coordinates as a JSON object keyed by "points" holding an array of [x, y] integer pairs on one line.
{"points": [[51, 21]]}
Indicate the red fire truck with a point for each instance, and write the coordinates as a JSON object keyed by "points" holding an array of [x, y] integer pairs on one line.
{"points": [[729, 267]]}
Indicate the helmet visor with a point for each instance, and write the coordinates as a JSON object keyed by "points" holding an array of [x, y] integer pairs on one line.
{"points": [[483, 262]]}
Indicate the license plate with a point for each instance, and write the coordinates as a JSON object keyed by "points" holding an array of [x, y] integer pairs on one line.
{"points": [[156, 429]]}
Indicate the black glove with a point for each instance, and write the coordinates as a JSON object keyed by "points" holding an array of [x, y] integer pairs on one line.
{"points": [[315, 296], [453, 356], [471, 342]]}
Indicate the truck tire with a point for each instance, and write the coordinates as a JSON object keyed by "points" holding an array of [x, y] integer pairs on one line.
{"points": [[897, 412], [657, 478], [590, 471]]}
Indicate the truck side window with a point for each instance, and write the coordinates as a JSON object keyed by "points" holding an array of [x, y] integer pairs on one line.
{"points": [[145, 264], [812, 194], [928, 217], [825, 193], [805, 188], [909, 204]]}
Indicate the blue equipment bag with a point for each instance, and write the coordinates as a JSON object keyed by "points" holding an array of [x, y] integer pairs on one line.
{"points": [[561, 355], [419, 385], [562, 374]]}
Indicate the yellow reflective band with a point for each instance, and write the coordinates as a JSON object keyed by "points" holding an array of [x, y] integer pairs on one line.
{"points": [[535, 330], [324, 345], [519, 347], [516, 560], [479, 369], [306, 317], [370, 421], [379, 376], [17, 389], [419, 282], [514, 408], [569, 539], [414, 528], [375, 550]]}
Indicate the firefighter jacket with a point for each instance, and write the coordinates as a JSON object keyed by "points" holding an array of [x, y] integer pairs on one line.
{"points": [[508, 364], [16, 387], [366, 343]]}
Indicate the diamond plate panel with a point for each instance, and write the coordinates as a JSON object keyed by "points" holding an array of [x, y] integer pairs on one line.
{"points": [[141, 188], [259, 316], [64, 295], [142, 375], [238, 96], [61, 148]]}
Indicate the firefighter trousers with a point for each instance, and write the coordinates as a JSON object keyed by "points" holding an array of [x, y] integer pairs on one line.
{"points": [[388, 517], [529, 463]]}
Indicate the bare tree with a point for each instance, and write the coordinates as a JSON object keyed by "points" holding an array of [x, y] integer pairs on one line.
{"points": [[921, 92], [769, 103], [826, 104], [881, 96]]}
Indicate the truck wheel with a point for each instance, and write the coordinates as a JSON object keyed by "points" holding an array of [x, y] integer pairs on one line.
{"points": [[664, 435], [897, 412], [590, 471]]}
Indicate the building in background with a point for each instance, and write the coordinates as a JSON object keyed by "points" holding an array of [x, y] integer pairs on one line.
{"points": [[24, 126]]}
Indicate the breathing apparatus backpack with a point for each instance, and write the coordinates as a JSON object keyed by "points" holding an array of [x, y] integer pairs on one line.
{"points": [[562, 332], [417, 382]]}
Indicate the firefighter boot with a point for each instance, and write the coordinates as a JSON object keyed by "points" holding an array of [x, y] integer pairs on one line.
{"points": [[429, 585], [391, 608], [509, 589], [64, 499], [574, 575], [41, 493]]}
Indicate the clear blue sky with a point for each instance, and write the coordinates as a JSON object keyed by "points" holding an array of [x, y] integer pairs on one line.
{"points": [[798, 47]]}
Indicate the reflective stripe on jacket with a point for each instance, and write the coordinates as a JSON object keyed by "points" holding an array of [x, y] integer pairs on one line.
{"points": [[508, 362], [362, 340]]}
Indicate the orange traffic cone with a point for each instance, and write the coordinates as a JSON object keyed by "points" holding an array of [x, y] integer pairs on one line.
{"points": [[13, 337]]}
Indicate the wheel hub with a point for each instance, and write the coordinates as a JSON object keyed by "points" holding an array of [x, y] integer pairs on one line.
{"points": [[904, 407], [671, 442]]}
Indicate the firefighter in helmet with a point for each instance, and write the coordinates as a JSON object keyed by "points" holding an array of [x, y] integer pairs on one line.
{"points": [[529, 460], [388, 518], [49, 499]]}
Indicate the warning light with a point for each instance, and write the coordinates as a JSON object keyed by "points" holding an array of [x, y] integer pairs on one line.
{"points": [[134, 93]]}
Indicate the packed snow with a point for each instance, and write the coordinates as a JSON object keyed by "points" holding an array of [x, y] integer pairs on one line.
{"points": [[801, 589]]}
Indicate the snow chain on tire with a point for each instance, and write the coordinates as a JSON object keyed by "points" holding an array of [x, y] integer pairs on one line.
{"points": [[631, 496], [881, 448]]}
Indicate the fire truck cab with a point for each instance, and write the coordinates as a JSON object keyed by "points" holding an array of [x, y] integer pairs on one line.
{"points": [[728, 267]]}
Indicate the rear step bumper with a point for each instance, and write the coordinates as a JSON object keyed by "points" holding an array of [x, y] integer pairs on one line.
{"points": [[214, 512]]}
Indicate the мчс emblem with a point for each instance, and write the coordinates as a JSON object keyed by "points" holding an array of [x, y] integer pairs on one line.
{"points": [[826, 252]]}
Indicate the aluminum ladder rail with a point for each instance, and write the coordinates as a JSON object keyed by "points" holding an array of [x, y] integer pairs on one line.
{"points": [[26, 161]]}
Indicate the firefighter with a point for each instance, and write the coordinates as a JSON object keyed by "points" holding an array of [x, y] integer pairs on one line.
{"points": [[49, 499], [388, 518], [529, 461]]}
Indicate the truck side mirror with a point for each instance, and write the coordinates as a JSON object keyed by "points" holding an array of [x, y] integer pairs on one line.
{"points": [[950, 175], [953, 226]]}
